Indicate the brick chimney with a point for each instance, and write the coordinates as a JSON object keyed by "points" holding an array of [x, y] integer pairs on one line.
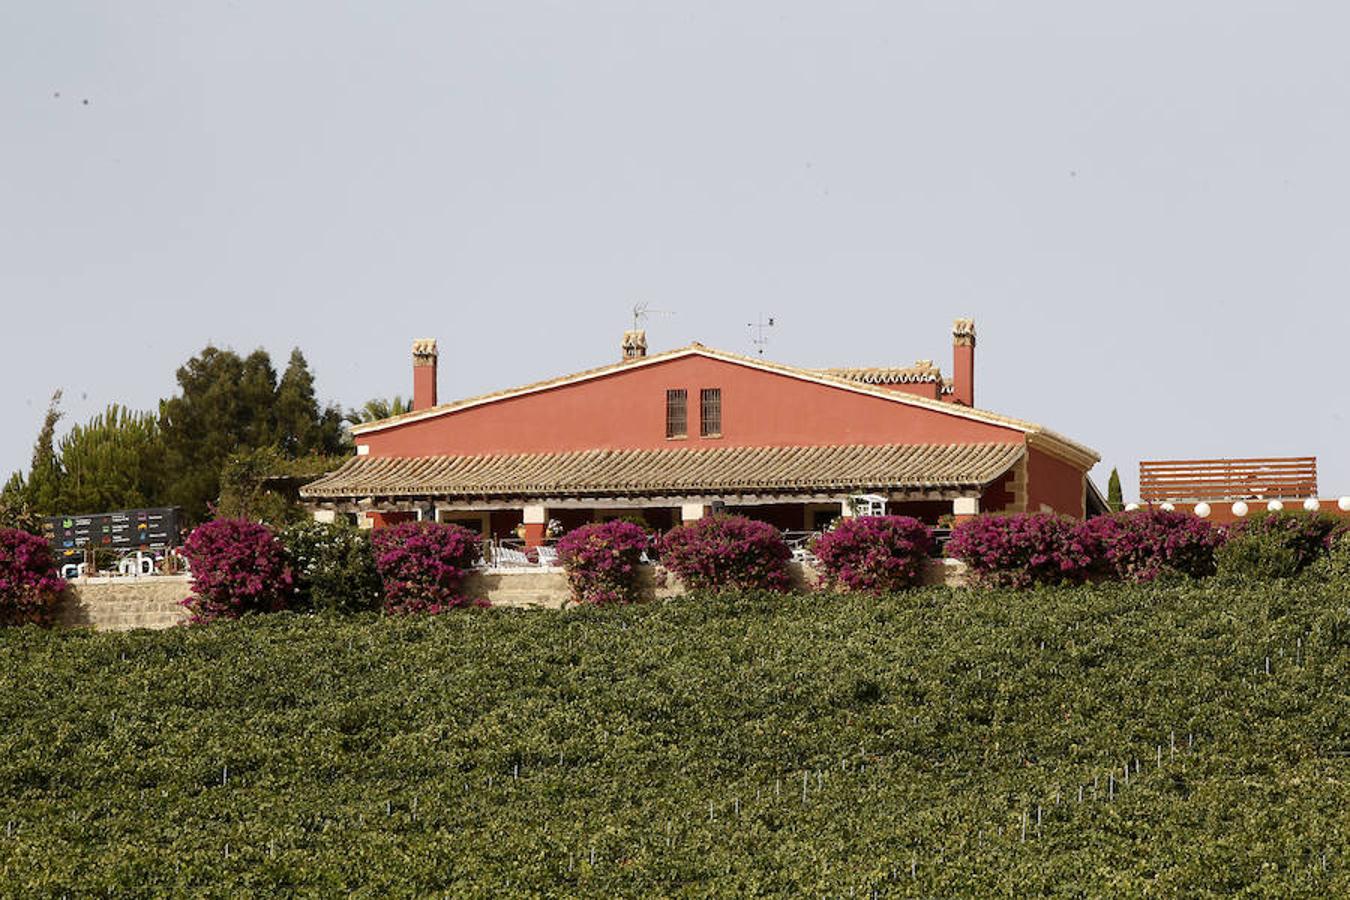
{"points": [[963, 362], [424, 373], [634, 344]]}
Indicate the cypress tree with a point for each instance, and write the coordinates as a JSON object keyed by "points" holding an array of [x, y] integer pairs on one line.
{"points": [[1114, 500], [42, 489]]}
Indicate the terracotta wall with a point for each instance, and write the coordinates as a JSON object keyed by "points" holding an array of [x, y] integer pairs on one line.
{"points": [[998, 497], [627, 409], [1221, 511], [1054, 483]]}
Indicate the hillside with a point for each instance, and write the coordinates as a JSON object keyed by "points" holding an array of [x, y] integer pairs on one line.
{"points": [[933, 743]]}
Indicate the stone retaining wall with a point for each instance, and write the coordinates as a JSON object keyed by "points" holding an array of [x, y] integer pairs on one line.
{"points": [[121, 604]]}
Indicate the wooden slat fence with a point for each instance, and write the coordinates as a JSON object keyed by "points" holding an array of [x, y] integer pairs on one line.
{"points": [[1284, 478]]}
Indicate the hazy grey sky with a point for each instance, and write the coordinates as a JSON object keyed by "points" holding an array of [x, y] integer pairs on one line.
{"points": [[1146, 206]]}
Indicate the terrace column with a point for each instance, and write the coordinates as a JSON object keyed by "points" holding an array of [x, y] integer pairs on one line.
{"points": [[965, 508], [691, 512], [536, 524]]}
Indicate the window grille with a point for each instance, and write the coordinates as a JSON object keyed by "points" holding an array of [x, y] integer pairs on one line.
{"points": [[677, 413], [710, 412]]}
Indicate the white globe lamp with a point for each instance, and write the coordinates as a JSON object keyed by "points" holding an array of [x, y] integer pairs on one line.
{"points": [[1343, 504], [1131, 507], [1274, 506], [1168, 507], [1202, 510], [1312, 504], [1240, 509]]}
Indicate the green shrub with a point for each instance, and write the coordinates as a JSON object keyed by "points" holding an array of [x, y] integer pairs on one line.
{"points": [[1336, 565], [334, 567], [1274, 545]]}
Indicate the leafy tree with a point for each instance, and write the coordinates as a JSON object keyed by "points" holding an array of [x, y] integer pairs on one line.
{"points": [[301, 426], [1114, 499], [229, 405], [257, 396], [379, 408], [114, 462], [212, 416]]}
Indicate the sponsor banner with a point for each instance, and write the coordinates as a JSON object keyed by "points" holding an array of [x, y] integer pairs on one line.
{"points": [[132, 529]]}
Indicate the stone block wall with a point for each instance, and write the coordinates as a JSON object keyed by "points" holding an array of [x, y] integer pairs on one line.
{"points": [[121, 604]]}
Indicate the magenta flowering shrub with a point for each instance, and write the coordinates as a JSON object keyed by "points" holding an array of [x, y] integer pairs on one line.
{"points": [[602, 561], [423, 565], [237, 567], [727, 552], [29, 585], [1022, 549], [874, 554], [1141, 545]]}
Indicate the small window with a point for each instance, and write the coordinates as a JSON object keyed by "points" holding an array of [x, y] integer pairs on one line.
{"points": [[677, 413], [710, 412]]}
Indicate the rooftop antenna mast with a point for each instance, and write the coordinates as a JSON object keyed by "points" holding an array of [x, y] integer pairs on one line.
{"points": [[643, 311], [760, 339]]}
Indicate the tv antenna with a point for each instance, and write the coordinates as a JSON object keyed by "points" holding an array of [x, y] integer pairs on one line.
{"points": [[760, 339], [643, 311]]}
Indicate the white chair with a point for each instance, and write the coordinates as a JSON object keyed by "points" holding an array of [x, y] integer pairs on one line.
{"points": [[506, 556], [548, 556]]}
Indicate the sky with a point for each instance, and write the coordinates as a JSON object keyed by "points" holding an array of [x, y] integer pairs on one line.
{"points": [[1145, 206]]}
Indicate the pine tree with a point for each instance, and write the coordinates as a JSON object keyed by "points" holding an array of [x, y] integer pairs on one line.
{"points": [[302, 428], [1114, 499], [228, 407], [257, 397], [115, 461], [203, 424]]}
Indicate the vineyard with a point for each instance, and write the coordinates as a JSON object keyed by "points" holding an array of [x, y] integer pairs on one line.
{"points": [[1165, 739]]}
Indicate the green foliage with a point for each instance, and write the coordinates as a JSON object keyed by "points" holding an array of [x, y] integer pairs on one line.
{"points": [[730, 746], [116, 461], [1336, 565], [202, 426], [1274, 545], [41, 488], [302, 427], [379, 408], [1115, 499], [334, 567], [14, 509], [230, 407]]}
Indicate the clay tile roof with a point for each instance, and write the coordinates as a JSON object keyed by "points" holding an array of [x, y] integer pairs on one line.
{"points": [[921, 371], [721, 470]]}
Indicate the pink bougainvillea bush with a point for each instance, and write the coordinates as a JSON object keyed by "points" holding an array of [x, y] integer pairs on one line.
{"points": [[602, 561], [727, 552], [29, 585], [423, 565], [1142, 544], [874, 554], [237, 567], [1022, 549]]}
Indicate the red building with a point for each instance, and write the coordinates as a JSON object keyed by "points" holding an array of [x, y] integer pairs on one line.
{"points": [[672, 435]]}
